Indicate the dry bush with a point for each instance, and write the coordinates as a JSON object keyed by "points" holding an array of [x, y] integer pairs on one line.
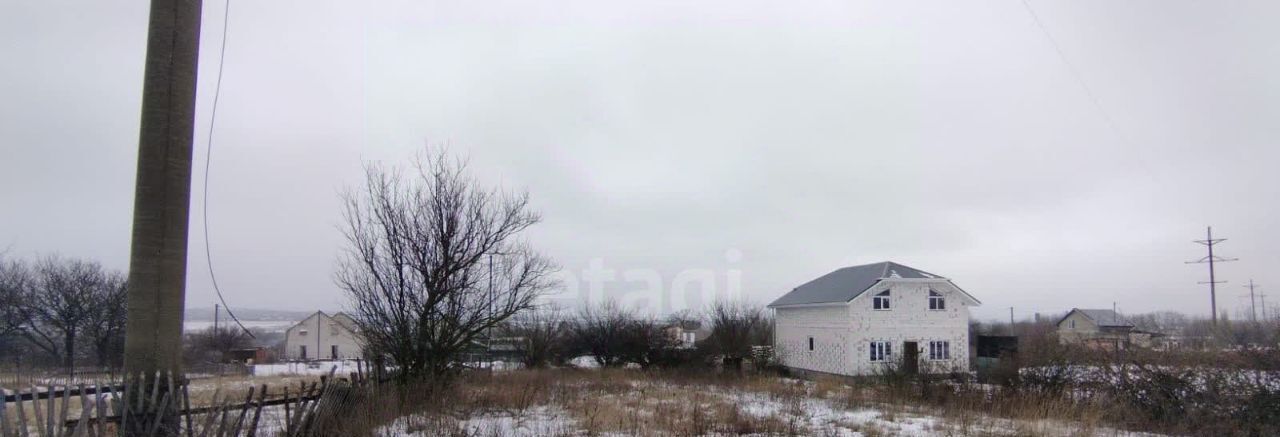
{"points": [[1201, 392], [686, 402]]}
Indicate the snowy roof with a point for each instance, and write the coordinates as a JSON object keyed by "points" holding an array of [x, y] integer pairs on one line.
{"points": [[1103, 318], [847, 283]]}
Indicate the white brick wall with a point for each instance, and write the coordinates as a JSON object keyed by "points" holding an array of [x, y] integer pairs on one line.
{"points": [[842, 333]]}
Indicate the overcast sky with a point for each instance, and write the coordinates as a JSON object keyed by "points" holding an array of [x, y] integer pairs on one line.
{"points": [[774, 141]]}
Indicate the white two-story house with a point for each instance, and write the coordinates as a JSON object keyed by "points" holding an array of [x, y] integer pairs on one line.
{"points": [[858, 319]]}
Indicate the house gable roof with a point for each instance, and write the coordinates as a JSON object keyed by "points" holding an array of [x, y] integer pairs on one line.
{"points": [[340, 318], [847, 283], [1102, 318]]}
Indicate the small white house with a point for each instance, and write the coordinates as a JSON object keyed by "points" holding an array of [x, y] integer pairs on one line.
{"points": [[857, 319], [323, 337]]}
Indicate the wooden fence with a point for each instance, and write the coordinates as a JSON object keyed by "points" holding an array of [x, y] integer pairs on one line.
{"points": [[102, 410]]}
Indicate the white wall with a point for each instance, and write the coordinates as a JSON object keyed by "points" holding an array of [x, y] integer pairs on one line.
{"points": [[832, 337], [331, 333], [842, 333]]}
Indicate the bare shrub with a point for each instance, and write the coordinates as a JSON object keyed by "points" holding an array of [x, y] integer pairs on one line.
{"points": [[541, 336], [213, 344], [614, 336], [736, 326], [601, 331]]}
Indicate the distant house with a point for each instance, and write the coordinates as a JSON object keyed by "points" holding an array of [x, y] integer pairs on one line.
{"points": [[323, 337], [686, 334], [1100, 329], [858, 320]]}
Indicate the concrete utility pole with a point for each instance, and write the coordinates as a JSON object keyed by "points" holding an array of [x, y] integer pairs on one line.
{"points": [[1253, 303], [158, 252], [1262, 298], [1211, 259]]}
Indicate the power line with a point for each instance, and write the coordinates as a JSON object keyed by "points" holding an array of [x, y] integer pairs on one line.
{"points": [[1079, 78], [1209, 242], [208, 159]]}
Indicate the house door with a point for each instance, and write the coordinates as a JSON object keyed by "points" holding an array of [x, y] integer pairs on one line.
{"points": [[302, 352], [333, 353], [910, 358]]}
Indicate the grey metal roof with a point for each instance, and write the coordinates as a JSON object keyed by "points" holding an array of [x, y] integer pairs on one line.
{"points": [[1104, 318], [847, 283]]}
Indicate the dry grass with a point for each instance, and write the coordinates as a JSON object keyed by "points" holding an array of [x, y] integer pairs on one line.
{"points": [[632, 402]]}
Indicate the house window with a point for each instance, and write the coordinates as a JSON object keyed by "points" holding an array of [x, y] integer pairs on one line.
{"points": [[1072, 323], [302, 333], [881, 301], [939, 350], [936, 301], [810, 343], [689, 338], [881, 351]]}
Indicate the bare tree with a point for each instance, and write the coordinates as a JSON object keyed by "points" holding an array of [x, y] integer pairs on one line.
{"points": [[433, 261], [541, 335], [104, 327], [57, 304], [736, 326], [15, 280]]}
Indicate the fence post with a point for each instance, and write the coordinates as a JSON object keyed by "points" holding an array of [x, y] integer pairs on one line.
{"points": [[4, 420]]}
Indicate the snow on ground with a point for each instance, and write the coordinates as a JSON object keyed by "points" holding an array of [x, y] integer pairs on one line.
{"points": [[584, 362], [822, 418], [315, 368], [500, 366], [536, 421]]}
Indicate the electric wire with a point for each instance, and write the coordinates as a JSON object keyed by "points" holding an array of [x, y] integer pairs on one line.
{"points": [[1075, 74], [208, 159]]}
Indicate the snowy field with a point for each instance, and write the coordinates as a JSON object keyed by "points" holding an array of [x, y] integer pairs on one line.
{"points": [[620, 403], [1198, 377]]}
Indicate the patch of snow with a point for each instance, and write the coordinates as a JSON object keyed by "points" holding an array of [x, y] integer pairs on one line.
{"points": [[584, 362], [500, 366], [314, 368], [537, 421]]}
